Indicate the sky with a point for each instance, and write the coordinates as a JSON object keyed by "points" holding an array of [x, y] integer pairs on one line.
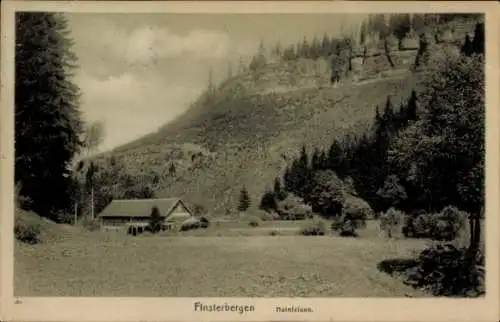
{"points": [[139, 71]]}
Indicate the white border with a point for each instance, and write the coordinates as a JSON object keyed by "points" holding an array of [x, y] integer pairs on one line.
{"points": [[181, 309]]}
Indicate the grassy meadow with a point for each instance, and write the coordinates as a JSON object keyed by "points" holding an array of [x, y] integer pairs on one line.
{"points": [[231, 259]]}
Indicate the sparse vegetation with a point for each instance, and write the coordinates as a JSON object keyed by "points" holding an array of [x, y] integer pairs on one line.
{"points": [[27, 233]]}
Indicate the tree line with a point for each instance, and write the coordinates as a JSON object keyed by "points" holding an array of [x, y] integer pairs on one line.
{"points": [[421, 155]]}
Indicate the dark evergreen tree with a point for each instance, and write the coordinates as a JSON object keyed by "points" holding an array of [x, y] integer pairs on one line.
{"points": [[279, 191], [302, 172], [325, 46], [268, 201], [362, 33], [335, 156], [412, 107], [418, 23], [315, 160], [155, 220], [48, 124], [400, 26], [468, 47], [244, 201], [478, 42]]}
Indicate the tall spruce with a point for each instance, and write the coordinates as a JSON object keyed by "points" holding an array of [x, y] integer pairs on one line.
{"points": [[467, 48], [478, 42], [48, 123]]}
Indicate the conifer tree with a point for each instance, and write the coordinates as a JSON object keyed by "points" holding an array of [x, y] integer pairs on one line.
{"points": [[48, 122], [268, 201], [278, 191], [478, 42], [155, 220], [362, 33], [244, 200], [467, 48], [325, 46]]}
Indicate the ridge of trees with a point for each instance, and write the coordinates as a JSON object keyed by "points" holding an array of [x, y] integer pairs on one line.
{"points": [[423, 154]]}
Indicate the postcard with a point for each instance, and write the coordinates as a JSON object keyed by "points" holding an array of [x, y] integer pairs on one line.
{"points": [[249, 161]]}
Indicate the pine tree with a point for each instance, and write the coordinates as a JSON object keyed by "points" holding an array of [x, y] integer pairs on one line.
{"points": [[172, 170], [412, 108], [268, 201], [315, 160], [325, 46], [155, 220], [229, 70], [362, 33], [315, 49], [277, 51], [335, 154], [467, 48], [244, 201], [278, 191], [400, 26], [418, 23], [48, 123], [211, 85], [478, 42], [305, 49]]}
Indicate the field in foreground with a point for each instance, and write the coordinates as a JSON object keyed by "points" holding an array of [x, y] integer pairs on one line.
{"points": [[262, 266]]}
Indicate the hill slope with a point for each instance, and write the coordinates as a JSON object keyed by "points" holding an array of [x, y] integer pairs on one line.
{"points": [[245, 134]]}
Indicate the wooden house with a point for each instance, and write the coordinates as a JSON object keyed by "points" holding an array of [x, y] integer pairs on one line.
{"points": [[121, 214]]}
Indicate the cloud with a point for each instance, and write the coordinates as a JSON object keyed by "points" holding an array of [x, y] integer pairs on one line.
{"points": [[152, 42], [131, 105]]}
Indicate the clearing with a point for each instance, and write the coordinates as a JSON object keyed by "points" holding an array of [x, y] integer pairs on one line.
{"points": [[99, 264]]}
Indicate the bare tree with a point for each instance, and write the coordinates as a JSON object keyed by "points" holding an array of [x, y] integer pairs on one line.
{"points": [[94, 136]]}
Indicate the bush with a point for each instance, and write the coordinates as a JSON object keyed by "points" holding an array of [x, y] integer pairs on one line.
{"points": [[317, 228], [269, 216], [28, 233], [348, 229], [204, 222], [444, 226], [293, 208], [190, 224], [445, 270], [449, 223], [273, 233], [254, 222], [357, 210], [390, 220]]}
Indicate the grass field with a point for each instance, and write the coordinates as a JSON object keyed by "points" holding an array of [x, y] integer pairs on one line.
{"points": [[100, 264]]}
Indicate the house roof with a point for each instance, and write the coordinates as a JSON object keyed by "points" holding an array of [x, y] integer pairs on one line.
{"points": [[140, 207]]}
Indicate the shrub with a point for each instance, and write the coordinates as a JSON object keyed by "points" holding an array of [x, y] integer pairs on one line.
{"points": [[390, 220], [446, 270], [348, 229], [273, 233], [443, 226], [204, 222], [357, 210], [316, 228], [254, 222], [449, 223], [293, 208], [28, 233], [269, 216], [190, 223]]}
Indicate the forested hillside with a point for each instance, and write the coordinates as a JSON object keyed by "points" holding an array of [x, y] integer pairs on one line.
{"points": [[247, 130]]}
